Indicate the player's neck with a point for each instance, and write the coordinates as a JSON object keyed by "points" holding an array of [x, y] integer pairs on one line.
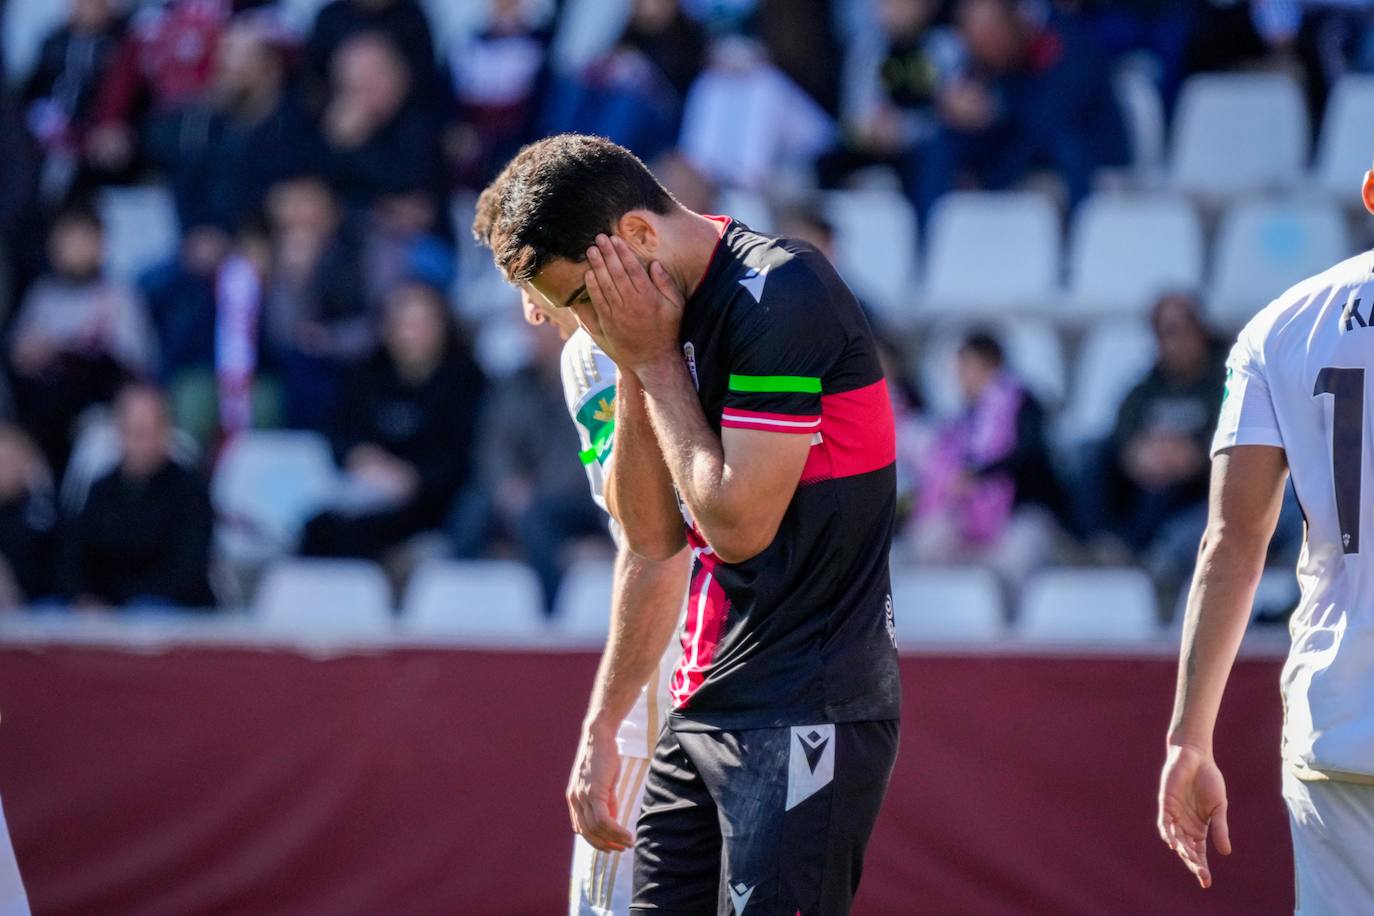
{"points": [[694, 240]]}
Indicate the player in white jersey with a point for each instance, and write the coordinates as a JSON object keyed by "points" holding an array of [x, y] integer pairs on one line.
{"points": [[623, 718], [13, 900], [1299, 401]]}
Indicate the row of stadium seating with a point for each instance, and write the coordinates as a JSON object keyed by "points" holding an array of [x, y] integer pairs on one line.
{"points": [[990, 252], [497, 602]]}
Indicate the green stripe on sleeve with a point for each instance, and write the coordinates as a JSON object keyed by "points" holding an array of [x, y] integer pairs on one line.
{"points": [[587, 455], [776, 384]]}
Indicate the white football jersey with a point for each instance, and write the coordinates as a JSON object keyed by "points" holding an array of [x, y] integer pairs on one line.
{"points": [[1301, 377], [589, 390]]}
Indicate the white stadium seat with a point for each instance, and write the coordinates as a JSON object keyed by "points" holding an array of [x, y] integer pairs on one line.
{"points": [[1089, 606], [875, 246], [266, 485], [1033, 349], [954, 603], [1126, 249], [1112, 358], [482, 600], [1143, 110], [324, 597], [582, 611], [140, 228], [1239, 132], [1346, 145], [1264, 247], [988, 250]]}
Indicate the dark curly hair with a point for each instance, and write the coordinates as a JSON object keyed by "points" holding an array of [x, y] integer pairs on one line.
{"points": [[556, 195]]}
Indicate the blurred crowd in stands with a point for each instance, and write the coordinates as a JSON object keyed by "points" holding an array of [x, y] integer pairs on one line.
{"points": [[319, 169]]}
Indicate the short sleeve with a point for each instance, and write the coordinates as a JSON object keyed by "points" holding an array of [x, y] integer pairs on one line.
{"points": [[589, 385], [1247, 406], [781, 349]]}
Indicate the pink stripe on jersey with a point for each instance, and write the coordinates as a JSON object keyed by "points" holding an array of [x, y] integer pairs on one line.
{"points": [[707, 610], [736, 418]]}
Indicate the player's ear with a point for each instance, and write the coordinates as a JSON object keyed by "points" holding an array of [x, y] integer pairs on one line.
{"points": [[639, 232], [1367, 191]]}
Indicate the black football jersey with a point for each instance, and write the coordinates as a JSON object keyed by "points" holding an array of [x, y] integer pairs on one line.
{"points": [[802, 632]]}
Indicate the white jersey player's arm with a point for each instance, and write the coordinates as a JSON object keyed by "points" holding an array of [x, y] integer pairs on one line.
{"points": [[645, 599], [1246, 493], [1249, 469]]}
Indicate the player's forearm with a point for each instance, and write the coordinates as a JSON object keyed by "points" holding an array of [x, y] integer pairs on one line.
{"points": [[639, 490], [645, 603], [1223, 590], [696, 459]]}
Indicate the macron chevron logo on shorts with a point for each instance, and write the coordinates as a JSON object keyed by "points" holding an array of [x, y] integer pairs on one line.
{"points": [[739, 896], [811, 764]]}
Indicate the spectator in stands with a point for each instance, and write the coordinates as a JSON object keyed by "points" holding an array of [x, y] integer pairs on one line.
{"points": [[244, 135], [401, 241], [60, 93], [1032, 95], [1158, 455], [379, 138], [405, 431], [634, 93], [891, 84], [77, 337], [181, 302], [745, 121], [983, 485], [27, 518], [315, 317], [164, 63], [498, 78], [20, 254], [403, 22], [530, 494], [142, 538]]}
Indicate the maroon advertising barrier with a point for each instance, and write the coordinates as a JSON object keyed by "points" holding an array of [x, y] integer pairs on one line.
{"points": [[419, 781]]}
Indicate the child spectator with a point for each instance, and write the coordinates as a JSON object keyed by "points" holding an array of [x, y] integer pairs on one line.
{"points": [[983, 472], [27, 517], [77, 336], [404, 434], [142, 538]]}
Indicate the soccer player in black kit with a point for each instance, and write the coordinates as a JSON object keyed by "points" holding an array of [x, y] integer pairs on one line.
{"points": [[753, 422]]}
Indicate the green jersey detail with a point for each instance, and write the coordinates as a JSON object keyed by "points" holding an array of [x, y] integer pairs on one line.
{"points": [[597, 417], [776, 384]]}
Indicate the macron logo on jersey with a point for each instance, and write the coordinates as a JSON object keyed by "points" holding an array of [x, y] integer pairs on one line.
{"points": [[754, 280]]}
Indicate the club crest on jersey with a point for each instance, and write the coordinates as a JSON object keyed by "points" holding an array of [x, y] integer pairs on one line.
{"points": [[689, 354]]}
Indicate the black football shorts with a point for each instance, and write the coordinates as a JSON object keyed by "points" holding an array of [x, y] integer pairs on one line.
{"points": [[760, 822]]}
